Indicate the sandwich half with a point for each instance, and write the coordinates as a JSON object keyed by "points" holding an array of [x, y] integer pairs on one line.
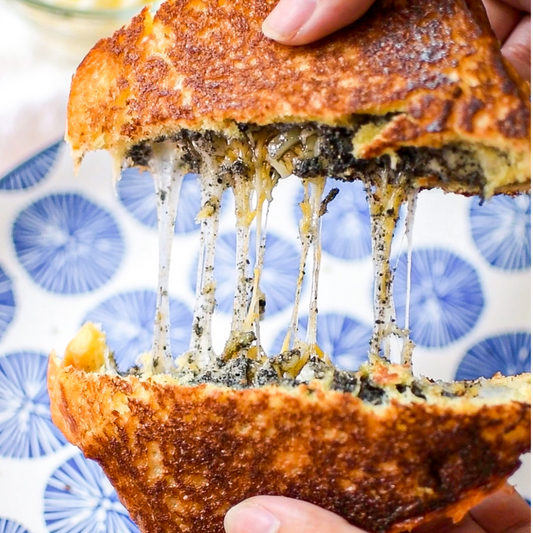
{"points": [[384, 450], [418, 85], [415, 95]]}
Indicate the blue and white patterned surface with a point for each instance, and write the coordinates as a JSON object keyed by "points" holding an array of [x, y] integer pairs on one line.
{"points": [[72, 249], [7, 302], [31, 171], [67, 244], [8, 526], [78, 498], [128, 320], [446, 296], [26, 429]]}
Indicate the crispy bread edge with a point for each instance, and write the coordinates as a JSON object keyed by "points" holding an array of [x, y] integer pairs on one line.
{"points": [[69, 389]]}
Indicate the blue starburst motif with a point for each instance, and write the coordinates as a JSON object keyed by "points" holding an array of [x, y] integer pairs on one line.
{"points": [[7, 302], [8, 526], [68, 244], [32, 171], [80, 499], [26, 428], [342, 337], [278, 280], [501, 229], [128, 320], [446, 297], [136, 191], [509, 354], [349, 211]]}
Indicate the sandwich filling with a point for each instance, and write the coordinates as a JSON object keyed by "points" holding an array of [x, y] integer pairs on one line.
{"points": [[251, 163]]}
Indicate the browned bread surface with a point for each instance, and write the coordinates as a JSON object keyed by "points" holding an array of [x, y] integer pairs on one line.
{"points": [[180, 456], [434, 65]]}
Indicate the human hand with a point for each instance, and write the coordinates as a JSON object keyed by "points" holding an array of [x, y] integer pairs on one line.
{"points": [[299, 22], [503, 512], [511, 22]]}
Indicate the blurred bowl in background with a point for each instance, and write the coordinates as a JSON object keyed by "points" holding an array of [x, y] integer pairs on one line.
{"points": [[70, 28]]}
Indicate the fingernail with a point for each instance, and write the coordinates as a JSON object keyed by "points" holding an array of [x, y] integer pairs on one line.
{"points": [[250, 518], [288, 18]]}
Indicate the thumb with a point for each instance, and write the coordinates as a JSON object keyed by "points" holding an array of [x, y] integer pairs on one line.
{"points": [[275, 514], [304, 21]]}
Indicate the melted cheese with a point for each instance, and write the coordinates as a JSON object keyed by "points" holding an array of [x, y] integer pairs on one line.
{"points": [[264, 183], [168, 179], [408, 345], [306, 238], [385, 200], [209, 217], [262, 162], [242, 190], [317, 188]]}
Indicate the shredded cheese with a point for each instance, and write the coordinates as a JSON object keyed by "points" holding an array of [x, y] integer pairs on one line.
{"points": [[252, 166]]}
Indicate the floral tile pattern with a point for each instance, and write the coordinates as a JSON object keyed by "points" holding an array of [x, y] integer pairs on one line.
{"points": [[32, 171], [501, 230], [446, 296], [73, 251], [128, 320], [26, 429], [79, 498], [509, 354], [67, 244], [7, 302]]}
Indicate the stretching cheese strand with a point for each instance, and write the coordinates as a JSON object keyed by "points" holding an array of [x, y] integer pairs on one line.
{"points": [[168, 179], [253, 187], [317, 188], [408, 345], [385, 200], [209, 217], [305, 239]]}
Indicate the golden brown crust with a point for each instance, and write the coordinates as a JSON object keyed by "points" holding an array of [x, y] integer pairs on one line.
{"points": [[204, 64], [181, 456]]}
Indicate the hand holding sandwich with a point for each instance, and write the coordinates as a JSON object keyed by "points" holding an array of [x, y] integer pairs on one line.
{"points": [[503, 512], [299, 22]]}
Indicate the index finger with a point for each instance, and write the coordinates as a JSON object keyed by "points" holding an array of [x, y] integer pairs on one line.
{"points": [[298, 22]]}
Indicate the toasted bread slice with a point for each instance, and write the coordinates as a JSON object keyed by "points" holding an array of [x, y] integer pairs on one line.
{"points": [[388, 453], [423, 80]]}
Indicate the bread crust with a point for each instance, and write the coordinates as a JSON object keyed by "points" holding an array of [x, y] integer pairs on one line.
{"points": [[180, 457], [434, 65]]}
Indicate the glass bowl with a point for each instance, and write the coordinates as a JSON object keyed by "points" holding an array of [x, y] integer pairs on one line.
{"points": [[71, 29]]}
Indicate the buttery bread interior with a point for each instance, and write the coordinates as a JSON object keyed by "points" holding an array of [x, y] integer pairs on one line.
{"points": [[383, 449]]}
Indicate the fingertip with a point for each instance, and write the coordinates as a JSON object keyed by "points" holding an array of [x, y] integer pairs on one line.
{"points": [[289, 516], [250, 517], [287, 19], [517, 48], [300, 22]]}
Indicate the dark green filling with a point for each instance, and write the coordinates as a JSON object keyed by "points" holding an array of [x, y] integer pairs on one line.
{"points": [[334, 156]]}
